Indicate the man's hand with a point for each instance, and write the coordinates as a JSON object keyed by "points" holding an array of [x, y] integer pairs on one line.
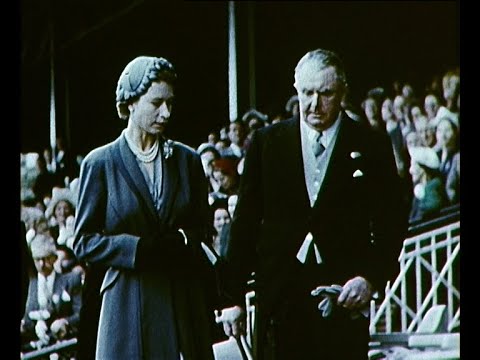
{"points": [[59, 328], [41, 329], [233, 320], [357, 292]]}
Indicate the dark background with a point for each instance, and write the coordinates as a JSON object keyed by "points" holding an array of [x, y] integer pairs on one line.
{"points": [[380, 41]]}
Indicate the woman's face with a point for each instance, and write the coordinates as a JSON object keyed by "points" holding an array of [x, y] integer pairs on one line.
{"points": [[151, 112], [220, 218], [387, 109], [446, 135], [62, 211]]}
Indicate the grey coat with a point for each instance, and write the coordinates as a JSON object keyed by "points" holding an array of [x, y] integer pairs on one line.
{"points": [[145, 315]]}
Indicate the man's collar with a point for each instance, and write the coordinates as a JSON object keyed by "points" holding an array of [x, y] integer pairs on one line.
{"points": [[326, 134]]}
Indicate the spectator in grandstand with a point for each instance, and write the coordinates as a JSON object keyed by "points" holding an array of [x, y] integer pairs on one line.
{"points": [[426, 131], [225, 173], [254, 119], [447, 144], [412, 140], [401, 110], [431, 106], [372, 114], [208, 154], [237, 134], [143, 213], [429, 189], [212, 138], [394, 131], [61, 211], [416, 113], [221, 217], [451, 90], [54, 299], [306, 218]]}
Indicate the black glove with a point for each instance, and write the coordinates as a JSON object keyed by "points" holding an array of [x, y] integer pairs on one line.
{"points": [[159, 251]]}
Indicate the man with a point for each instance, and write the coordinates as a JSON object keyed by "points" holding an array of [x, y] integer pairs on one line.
{"points": [[314, 213], [54, 300]]}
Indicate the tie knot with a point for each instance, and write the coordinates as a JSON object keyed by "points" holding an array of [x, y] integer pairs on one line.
{"points": [[318, 148]]}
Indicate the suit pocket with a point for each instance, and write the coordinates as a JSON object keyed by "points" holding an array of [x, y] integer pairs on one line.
{"points": [[110, 277]]}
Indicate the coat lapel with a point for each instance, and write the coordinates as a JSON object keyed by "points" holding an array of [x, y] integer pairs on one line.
{"points": [[292, 145], [127, 165], [170, 184]]}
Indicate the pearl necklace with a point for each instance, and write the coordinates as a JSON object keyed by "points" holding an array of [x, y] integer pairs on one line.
{"points": [[144, 156]]}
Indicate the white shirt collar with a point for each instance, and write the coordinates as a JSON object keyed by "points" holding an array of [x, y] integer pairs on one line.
{"points": [[327, 135]]}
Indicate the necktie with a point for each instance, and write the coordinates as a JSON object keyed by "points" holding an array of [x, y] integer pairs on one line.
{"points": [[318, 148]]}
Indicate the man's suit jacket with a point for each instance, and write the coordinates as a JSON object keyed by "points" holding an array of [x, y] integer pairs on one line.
{"points": [[115, 210], [357, 222], [66, 300]]}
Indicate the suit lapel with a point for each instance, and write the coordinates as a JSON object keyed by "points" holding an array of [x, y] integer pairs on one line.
{"points": [[128, 166]]}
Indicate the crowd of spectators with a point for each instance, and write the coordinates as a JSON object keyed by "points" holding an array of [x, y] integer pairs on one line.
{"points": [[424, 128]]}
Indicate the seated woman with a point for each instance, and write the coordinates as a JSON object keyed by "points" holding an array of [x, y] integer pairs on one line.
{"points": [[429, 190]]}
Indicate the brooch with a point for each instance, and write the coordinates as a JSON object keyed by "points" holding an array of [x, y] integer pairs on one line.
{"points": [[167, 149]]}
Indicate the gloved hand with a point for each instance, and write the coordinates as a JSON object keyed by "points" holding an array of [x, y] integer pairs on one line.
{"points": [[329, 296], [164, 249]]}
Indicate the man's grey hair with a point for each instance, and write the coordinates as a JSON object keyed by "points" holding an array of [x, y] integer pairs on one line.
{"points": [[323, 59]]}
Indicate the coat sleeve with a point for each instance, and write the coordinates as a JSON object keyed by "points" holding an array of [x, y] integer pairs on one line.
{"points": [[91, 243]]}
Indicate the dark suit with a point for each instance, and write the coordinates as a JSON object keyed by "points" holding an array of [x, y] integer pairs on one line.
{"points": [[357, 223], [163, 310], [60, 306]]}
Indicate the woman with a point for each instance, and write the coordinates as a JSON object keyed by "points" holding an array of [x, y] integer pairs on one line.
{"points": [[221, 217], [429, 190], [142, 213], [447, 144], [61, 213]]}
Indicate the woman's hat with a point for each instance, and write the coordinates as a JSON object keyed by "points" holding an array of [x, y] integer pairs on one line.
{"points": [[60, 194]]}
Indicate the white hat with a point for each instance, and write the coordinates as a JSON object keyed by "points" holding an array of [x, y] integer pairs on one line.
{"points": [[60, 194], [425, 156]]}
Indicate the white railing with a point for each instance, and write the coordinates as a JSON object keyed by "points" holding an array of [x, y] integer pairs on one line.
{"points": [[429, 275]]}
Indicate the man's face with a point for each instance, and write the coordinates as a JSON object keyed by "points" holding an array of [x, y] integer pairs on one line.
{"points": [[151, 112], [320, 94], [44, 262], [236, 134]]}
